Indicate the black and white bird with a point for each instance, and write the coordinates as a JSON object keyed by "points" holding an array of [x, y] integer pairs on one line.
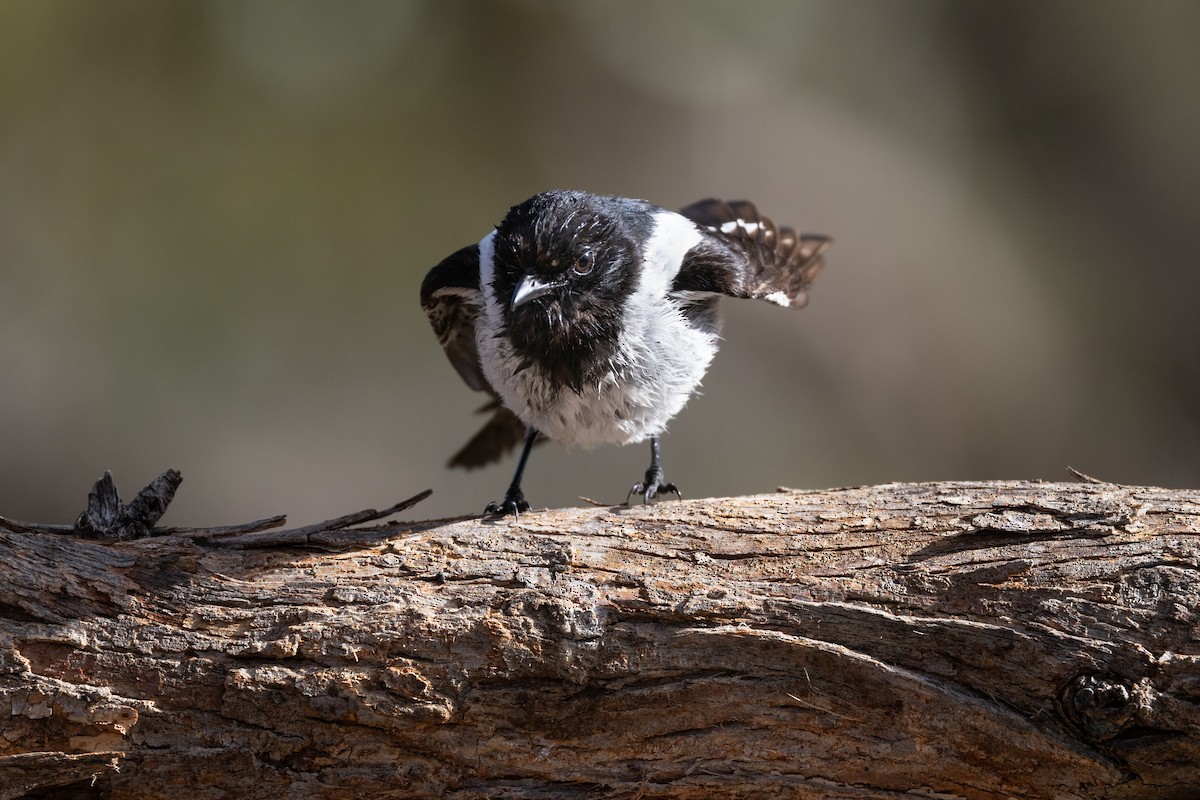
{"points": [[592, 319]]}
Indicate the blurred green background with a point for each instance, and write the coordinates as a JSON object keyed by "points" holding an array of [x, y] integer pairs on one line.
{"points": [[215, 216]]}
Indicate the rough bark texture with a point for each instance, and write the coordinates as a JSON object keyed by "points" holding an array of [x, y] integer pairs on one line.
{"points": [[951, 640]]}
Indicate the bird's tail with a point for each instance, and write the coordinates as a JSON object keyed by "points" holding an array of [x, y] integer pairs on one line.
{"points": [[502, 432]]}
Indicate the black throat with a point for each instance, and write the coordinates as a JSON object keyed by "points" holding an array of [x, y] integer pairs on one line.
{"points": [[590, 247]]}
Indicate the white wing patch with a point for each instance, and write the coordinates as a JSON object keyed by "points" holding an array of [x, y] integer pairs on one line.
{"points": [[779, 299], [674, 235], [487, 270], [733, 225]]}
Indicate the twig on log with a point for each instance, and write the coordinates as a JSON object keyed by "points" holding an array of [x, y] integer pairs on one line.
{"points": [[224, 530], [311, 535], [106, 517], [1083, 476]]}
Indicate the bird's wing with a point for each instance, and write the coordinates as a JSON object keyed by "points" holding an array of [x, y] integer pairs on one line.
{"points": [[746, 255], [451, 298]]}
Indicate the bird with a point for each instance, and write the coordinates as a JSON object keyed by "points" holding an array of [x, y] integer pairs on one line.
{"points": [[591, 319]]}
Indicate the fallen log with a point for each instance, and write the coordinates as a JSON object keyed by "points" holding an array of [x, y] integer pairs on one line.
{"points": [[974, 640]]}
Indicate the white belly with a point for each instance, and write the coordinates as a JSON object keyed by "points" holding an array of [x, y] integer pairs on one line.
{"points": [[660, 364]]}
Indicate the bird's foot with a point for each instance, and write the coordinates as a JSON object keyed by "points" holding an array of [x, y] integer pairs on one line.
{"points": [[652, 486], [514, 503]]}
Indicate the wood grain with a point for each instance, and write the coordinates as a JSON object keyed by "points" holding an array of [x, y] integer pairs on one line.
{"points": [[975, 640]]}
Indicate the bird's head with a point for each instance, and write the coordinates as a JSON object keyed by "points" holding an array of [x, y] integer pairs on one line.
{"points": [[563, 262]]}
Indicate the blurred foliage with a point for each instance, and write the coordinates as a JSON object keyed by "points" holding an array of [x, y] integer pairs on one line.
{"points": [[214, 217]]}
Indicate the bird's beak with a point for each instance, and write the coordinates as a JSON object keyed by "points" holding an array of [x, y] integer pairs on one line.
{"points": [[529, 288]]}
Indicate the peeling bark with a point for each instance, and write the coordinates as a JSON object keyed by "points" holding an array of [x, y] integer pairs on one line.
{"points": [[976, 640]]}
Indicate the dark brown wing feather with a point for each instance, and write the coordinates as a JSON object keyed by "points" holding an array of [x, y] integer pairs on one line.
{"points": [[748, 256], [451, 298], [502, 432]]}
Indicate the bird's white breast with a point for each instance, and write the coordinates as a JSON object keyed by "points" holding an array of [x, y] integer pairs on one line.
{"points": [[659, 361]]}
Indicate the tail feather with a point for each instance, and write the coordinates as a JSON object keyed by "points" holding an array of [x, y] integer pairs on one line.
{"points": [[500, 434]]}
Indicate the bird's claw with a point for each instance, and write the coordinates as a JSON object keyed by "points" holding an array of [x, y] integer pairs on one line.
{"points": [[651, 488], [514, 503]]}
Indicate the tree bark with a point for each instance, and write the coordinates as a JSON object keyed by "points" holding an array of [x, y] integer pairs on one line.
{"points": [[976, 640]]}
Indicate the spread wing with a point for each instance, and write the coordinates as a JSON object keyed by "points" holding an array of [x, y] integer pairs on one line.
{"points": [[746, 255], [451, 298]]}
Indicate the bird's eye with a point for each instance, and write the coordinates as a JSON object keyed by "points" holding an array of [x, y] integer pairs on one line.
{"points": [[584, 263]]}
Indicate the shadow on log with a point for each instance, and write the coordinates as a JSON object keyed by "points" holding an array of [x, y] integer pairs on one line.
{"points": [[976, 640]]}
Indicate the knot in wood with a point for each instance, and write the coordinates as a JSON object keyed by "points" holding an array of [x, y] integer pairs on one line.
{"points": [[1099, 706]]}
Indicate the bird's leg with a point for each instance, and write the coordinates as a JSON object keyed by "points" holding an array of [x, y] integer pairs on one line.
{"points": [[653, 484], [514, 499]]}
